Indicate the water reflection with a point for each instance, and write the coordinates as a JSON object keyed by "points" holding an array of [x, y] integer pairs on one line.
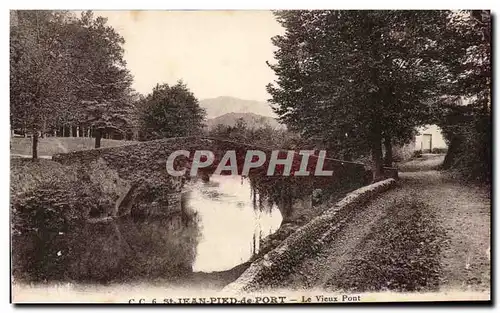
{"points": [[120, 250], [216, 225], [231, 221]]}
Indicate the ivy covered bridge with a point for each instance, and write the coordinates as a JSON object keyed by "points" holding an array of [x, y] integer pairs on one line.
{"points": [[136, 175]]}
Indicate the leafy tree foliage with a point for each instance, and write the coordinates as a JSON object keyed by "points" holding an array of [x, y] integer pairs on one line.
{"points": [[355, 78], [104, 84], [466, 114], [264, 136], [170, 111], [109, 115], [68, 70], [38, 57]]}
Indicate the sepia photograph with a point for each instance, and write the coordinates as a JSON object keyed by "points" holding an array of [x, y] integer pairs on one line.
{"points": [[250, 156]]}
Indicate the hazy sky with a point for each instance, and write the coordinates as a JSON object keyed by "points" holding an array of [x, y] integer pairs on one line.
{"points": [[216, 53]]}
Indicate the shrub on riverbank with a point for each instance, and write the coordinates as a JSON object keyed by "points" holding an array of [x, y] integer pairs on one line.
{"points": [[40, 220], [48, 200], [26, 175], [54, 241]]}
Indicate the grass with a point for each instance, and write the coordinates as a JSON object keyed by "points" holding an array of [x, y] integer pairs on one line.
{"points": [[425, 163], [53, 145]]}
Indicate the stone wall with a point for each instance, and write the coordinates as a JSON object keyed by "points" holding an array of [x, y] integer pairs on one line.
{"points": [[134, 175], [279, 262]]}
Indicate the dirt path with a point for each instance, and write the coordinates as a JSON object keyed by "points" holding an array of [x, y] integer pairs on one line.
{"points": [[430, 233], [25, 156]]}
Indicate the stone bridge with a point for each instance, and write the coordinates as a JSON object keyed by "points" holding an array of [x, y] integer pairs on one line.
{"points": [[136, 175]]}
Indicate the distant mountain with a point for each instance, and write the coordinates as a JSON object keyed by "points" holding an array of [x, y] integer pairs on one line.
{"points": [[222, 105], [251, 119]]}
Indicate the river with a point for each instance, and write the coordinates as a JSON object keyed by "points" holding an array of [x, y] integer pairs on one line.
{"points": [[231, 223], [218, 226]]}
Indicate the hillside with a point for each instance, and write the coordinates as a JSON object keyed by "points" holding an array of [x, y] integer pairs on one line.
{"points": [[251, 119], [221, 105]]}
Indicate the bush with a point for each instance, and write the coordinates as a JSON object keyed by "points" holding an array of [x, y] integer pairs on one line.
{"points": [[41, 219], [26, 175], [54, 241], [417, 154], [469, 153], [439, 150]]}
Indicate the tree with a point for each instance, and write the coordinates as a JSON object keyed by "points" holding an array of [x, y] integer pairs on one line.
{"points": [[105, 99], [355, 78], [38, 74], [68, 70], [170, 111], [466, 112], [110, 115]]}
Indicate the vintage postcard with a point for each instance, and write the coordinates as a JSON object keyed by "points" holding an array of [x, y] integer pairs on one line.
{"points": [[250, 157]]}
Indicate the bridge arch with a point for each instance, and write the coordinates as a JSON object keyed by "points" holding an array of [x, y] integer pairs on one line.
{"points": [[141, 168]]}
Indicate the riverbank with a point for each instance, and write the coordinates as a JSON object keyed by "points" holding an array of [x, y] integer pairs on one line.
{"points": [[431, 233], [304, 216], [26, 175], [306, 242]]}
